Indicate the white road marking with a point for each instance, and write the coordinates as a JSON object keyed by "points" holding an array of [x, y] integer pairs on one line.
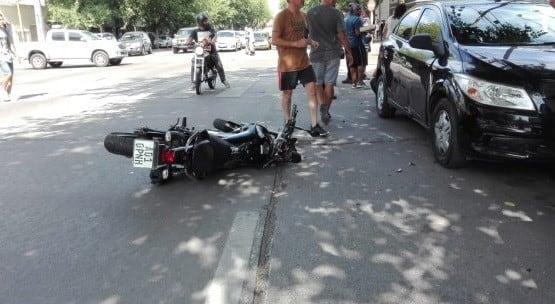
{"points": [[237, 267]]}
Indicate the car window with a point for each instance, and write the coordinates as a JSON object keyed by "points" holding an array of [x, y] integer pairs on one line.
{"points": [[131, 36], [226, 34], [58, 36], [184, 32], [503, 23], [260, 35], [430, 23], [406, 25], [74, 36]]}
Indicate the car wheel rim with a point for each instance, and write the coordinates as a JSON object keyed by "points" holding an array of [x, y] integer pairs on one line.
{"points": [[380, 97], [100, 59], [442, 132], [37, 61]]}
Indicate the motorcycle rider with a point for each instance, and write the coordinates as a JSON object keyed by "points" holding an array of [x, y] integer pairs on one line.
{"points": [[214, 59]]}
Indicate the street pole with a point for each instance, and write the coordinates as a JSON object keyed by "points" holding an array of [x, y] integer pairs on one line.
{"points": [[22, 34]]}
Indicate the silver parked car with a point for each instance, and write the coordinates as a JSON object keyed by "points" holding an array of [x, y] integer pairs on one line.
{"points": [[136, 43]]}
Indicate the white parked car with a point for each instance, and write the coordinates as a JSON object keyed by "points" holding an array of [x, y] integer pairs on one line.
{"points": [[164, 41], [227, 40], [69, 45]]}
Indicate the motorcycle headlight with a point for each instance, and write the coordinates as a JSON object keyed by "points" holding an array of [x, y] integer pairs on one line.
{"points": [[494, 94], [199, 51]]}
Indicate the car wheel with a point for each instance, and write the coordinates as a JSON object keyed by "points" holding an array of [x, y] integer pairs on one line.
{"points": [[384, 109], [38, 61], [100, 59], [445, 135], [150, 50]]}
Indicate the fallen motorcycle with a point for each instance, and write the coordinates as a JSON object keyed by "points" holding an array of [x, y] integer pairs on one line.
{"points": [[183, 150]]}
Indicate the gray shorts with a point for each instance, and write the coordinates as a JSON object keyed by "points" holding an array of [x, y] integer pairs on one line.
{"points": [[6, 68], [326, 71]]}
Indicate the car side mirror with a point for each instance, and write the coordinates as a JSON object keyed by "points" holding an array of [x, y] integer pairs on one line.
{"points": [[424, 42]]}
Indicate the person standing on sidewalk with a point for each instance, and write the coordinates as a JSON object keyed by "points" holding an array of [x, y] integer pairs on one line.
{"points": [[325, 25], [290, 36], [7, 53], [353, 23], [393, 20]]}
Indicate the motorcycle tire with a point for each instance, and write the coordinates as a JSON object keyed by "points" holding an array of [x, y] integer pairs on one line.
{"points": [[120, 143], [225, 125], [296, 157], [212, 83], [198, 82]]}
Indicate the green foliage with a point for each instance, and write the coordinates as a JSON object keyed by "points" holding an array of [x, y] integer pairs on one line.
{"points": [[156, 15]]}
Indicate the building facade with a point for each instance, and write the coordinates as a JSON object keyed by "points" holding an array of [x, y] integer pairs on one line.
{"points": [[25, 18]]}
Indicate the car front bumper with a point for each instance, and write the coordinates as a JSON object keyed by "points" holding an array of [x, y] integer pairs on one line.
{"points": [[509, 134], [261, 45]]}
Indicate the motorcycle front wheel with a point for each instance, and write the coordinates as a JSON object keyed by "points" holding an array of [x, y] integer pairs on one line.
{"points": [[198, 81]]}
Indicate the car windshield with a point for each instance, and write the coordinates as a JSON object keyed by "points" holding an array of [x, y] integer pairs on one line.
{"points": [[260, 35], [225, 34], [503, 23], [185, 32], [130, 36]]}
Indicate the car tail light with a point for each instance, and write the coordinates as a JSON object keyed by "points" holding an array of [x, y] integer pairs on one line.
{"points": [[167, 157]]}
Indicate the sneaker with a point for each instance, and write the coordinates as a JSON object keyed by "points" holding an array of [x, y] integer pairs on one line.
{"points": [[362, 85], [226, 84], [5, 96], [318, 131], [346, 81], [354, 86]]}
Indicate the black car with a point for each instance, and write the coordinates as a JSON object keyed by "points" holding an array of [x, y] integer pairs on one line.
{"points": [[480, 75]]}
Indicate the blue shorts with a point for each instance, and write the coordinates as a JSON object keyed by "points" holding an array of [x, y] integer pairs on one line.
{"points": [[288, 80], [6, 68], [326, 71]]}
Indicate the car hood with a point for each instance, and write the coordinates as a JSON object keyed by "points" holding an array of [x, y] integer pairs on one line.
{"points": [[531, 67], [520, 61]]}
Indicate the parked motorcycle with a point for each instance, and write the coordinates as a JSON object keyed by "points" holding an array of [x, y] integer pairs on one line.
{"points": [[203, 69], [183, 150]]}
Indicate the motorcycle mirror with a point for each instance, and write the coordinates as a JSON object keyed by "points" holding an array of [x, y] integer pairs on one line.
{"points": [[184, 122]]}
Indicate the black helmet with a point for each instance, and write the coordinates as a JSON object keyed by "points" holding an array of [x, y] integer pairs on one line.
{"points": [[202, 18]]}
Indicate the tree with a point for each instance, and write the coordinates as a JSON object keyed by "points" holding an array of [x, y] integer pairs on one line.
{"points": [[156, 15]]}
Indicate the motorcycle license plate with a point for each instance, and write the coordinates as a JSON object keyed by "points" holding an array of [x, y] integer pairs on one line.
{"points": [[144, 152]]}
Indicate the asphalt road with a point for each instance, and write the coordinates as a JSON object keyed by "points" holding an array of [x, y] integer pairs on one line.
{"points": [[367, 217]]}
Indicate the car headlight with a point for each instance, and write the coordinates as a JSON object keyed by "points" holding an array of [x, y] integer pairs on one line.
{"points": [[199, 51], [494, 94]]}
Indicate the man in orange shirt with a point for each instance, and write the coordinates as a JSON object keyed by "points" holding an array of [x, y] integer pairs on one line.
{"points": [[290, 36]]}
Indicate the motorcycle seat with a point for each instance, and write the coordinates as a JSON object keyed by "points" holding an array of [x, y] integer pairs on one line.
{"points": [[246, 135]]}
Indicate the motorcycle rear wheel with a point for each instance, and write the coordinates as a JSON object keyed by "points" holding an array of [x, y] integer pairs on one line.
{"points": [[120, 143], [212, 83]]}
